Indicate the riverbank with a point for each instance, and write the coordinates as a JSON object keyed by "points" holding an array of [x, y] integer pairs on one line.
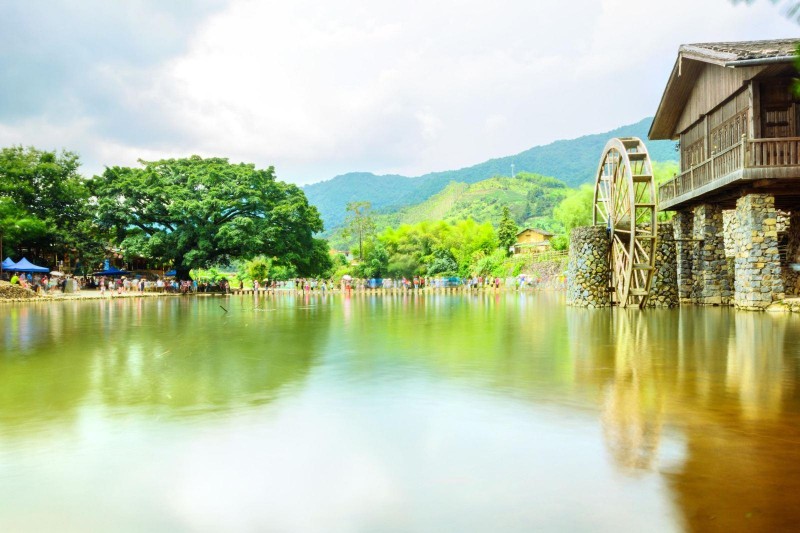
{"points": [[25, 295], [15, 293]]}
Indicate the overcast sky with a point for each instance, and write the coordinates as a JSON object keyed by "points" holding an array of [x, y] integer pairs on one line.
{"points": [[319, 88]]}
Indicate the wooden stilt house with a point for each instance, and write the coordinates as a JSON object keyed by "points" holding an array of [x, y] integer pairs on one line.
{"points": [[734, 111]]}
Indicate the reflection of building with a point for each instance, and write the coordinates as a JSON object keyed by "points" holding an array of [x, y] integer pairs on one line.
{"points": [[633, 407], [756, 365], [532, 240], [704, 399]]}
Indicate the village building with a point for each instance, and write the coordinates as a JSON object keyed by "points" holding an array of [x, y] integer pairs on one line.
{"points": [[531, 240], [735, 115]]}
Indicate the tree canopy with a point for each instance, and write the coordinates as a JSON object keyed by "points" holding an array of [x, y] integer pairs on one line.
{"points": [[507, 231], [359, 224], [195, 212], [44, 204], [429, 248]]}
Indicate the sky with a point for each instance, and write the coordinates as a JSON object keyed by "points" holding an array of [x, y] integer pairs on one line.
{"points": [[317, 88]]}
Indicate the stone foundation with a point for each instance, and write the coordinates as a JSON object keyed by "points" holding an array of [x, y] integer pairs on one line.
{"points": [[664, 289], [588, 271], [758, 270], [682, 224], [712, 281], [791, 277]]}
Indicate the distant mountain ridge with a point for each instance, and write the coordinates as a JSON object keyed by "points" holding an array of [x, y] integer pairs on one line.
{"points": [[572, 161]]}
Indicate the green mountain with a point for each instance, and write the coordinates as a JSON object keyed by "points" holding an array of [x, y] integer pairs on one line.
{"points": [[571, 161], [530, 198]]}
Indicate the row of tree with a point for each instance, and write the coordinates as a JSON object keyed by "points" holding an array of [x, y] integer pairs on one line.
{"points": [[460, 248], [440, 248], [187, 213]]}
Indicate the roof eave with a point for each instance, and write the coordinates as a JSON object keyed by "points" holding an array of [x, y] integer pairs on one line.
{"points": [[761, 61], [705, 55]]}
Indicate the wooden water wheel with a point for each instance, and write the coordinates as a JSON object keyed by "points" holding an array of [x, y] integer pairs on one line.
{"points": [[625, 203]]}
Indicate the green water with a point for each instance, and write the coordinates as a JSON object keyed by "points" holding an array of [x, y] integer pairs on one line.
{"points": [[490, 412]]}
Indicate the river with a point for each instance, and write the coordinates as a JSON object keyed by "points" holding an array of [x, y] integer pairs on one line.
{"points": [[412, 412]]}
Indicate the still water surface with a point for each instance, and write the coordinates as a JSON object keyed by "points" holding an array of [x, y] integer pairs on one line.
{"points": [[490, 412]]}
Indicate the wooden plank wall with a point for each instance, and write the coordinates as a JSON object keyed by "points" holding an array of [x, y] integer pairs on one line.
{"points": [[714, 85]]}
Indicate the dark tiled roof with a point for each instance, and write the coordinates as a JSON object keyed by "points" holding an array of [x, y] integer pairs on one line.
{"points": [[742, 51]]}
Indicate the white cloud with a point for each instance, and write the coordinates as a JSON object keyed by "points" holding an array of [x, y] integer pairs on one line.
{"points": [[321, 88]]}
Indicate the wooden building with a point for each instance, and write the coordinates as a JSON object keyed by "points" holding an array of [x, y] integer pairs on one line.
{"points": [[531, 240], [732, 108]]}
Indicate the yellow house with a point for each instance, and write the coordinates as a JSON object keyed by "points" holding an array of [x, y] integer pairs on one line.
{"points": [[531, 240]]}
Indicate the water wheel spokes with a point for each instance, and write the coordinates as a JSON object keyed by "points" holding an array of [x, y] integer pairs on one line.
{"points": [[625, 203]]}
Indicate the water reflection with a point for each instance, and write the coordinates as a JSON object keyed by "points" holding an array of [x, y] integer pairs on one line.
{"points": [[758, 369], [633, 405], [483, 404], [724, 383], [171, 357]]}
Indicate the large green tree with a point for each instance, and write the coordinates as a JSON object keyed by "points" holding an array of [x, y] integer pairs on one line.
{"points": [[196, 212], [576, 209], [45, 204], [359, 224], [507, 231]]}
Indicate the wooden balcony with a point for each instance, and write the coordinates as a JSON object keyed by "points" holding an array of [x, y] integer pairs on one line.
{"points": [[746, 161]]}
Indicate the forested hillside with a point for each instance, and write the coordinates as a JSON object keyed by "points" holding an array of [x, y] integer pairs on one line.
{"points": [[530, 198], [571, 161]]}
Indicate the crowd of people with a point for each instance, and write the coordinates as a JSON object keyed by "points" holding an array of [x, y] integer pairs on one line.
{"points": [[43, 282], [108, 284], [348, 283], [124, 284]]}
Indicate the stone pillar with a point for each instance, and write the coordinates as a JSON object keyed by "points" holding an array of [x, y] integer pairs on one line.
{"points": [[729, 224], [713, 284], [588, 271], [791, 277], [664, 289], [682, 224], [758, 263]]}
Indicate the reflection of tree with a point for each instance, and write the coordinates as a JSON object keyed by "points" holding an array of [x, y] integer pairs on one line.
{"points": [[173, 356], [43, 381], [200, 361], [501, 340]]}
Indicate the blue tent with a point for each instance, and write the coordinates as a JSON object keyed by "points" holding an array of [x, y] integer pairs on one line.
{"points": [[26, 266], [170, 273], [112, 271], [8, 263]]}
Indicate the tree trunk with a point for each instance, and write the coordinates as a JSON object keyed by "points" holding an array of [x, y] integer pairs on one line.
{"points": [[182, 273]]}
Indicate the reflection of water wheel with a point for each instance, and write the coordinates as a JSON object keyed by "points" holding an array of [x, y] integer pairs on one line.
{"points": [[625, 202]]}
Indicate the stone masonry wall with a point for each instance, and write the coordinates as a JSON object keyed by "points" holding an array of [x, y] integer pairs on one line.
{"points": [[758, 270], [682, 224], [664, 289], [712, 280], [588, 270], [729, 226], [791, 277]]}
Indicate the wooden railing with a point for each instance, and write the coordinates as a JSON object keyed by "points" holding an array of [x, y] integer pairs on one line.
{"points": [[774, 152], [754, 153], [549, 255]]}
